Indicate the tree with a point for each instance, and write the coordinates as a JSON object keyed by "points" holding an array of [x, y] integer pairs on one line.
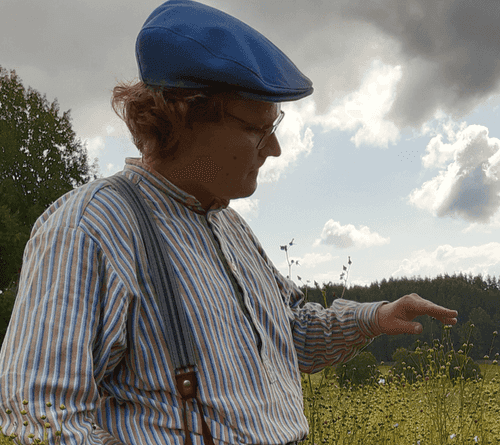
{"points": [[41, 159], [482, 332]]}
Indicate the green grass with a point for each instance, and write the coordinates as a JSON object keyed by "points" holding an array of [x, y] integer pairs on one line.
{"points": [[429, 412]]}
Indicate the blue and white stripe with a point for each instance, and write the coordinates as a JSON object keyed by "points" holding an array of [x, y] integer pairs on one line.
{"points": [[86, 331]]}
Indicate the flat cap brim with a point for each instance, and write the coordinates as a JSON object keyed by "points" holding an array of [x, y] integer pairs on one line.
{"points": [[185, 44]]}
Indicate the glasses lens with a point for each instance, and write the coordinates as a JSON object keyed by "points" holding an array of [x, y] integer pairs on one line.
{"points": [[271, 130]]}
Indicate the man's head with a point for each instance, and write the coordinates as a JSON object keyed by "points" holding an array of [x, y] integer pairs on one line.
{"points": [[219, 141], [222, 159], [208, 100]]}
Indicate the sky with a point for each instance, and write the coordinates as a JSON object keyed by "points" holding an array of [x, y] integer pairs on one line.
{"points": [[394, 161]]}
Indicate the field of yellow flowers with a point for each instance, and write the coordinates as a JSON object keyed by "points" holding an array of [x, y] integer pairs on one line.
{"points": [[432, 411]]}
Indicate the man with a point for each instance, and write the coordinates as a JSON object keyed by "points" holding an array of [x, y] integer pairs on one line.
{"points": [[86, 331]]}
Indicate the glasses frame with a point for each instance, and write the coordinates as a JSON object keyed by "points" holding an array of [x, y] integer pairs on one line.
{"points": [[266, 131]]}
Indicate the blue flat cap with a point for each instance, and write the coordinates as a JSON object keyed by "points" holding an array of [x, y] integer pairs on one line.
{"points": [[185, 44]]}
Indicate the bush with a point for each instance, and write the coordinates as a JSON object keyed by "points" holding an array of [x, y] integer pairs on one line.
{"points": [[433, 361], [406, 364], [461, 365], [361, 370]]}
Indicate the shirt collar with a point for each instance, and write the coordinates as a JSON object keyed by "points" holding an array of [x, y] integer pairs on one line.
{"points": [[137, 166]]}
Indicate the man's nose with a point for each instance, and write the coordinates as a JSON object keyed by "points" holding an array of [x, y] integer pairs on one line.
{"points": [[272, 147]]}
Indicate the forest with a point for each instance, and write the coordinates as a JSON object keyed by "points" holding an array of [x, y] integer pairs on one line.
{"points": [[477, 300]]}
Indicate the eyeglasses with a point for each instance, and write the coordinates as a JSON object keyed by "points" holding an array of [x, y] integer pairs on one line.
{"points": [[266, 131]]}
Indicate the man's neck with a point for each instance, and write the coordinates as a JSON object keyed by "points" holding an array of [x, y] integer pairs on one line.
{"points": [[192, 178]]}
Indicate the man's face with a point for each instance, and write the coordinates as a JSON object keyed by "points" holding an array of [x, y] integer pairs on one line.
{"points": [[222, 158]]}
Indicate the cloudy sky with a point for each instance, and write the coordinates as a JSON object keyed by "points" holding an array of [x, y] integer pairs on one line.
{"points": [[393, 161]]}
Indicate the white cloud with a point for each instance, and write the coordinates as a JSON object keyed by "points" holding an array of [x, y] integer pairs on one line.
{"points": [[447, 259], [364, 110], [361, 112], [248, 208], [482, 228], [313, 259], [349, 236], [308, 261], [94, 146], [469, 186], [295, 137]]}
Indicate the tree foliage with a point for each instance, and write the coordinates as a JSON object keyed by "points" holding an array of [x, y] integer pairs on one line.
{"points": [[41, 159], [7, 300]]}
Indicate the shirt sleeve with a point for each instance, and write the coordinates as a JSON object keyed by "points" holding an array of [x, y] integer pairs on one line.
{"points": [[323, 336], [327, 336], [51, 354]]}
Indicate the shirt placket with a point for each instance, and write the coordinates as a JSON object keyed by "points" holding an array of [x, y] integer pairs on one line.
{"points": [[231, 272]]}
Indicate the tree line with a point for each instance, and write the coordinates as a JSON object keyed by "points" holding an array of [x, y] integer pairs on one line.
{"points": [[476, 298]]}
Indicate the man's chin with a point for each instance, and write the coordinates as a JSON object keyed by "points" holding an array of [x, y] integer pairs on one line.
{"points": [[245, 192]]}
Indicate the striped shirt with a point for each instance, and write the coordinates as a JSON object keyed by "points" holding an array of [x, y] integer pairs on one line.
{"points": [[86, 330]]}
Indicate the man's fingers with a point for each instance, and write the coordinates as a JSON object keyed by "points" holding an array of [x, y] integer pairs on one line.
{"points": [[441, 313], [426, 307]]}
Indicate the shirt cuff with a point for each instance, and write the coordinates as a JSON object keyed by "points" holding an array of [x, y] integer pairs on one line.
{"points": [[367, 318]]}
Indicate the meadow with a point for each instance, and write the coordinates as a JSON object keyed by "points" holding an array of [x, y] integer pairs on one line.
{"points": [[432, 411], [436, 408]]}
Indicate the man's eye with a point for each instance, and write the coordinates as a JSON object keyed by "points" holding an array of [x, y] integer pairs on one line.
{"points": [[255, 129]]}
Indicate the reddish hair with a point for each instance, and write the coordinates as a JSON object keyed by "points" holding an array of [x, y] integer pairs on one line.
{"points": [[156, 117]]}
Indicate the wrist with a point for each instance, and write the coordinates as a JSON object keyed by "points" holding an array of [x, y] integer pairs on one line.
{"points": [[379, 317]]}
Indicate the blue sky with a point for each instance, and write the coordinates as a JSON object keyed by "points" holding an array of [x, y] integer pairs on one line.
{"points": [[394, 160]]}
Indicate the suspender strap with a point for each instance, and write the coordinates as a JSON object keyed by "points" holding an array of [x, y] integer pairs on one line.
{"points": [[178, 337], [162, 275]]}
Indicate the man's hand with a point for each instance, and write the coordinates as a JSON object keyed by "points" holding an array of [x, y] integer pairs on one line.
{"points": [[396, 317]]}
